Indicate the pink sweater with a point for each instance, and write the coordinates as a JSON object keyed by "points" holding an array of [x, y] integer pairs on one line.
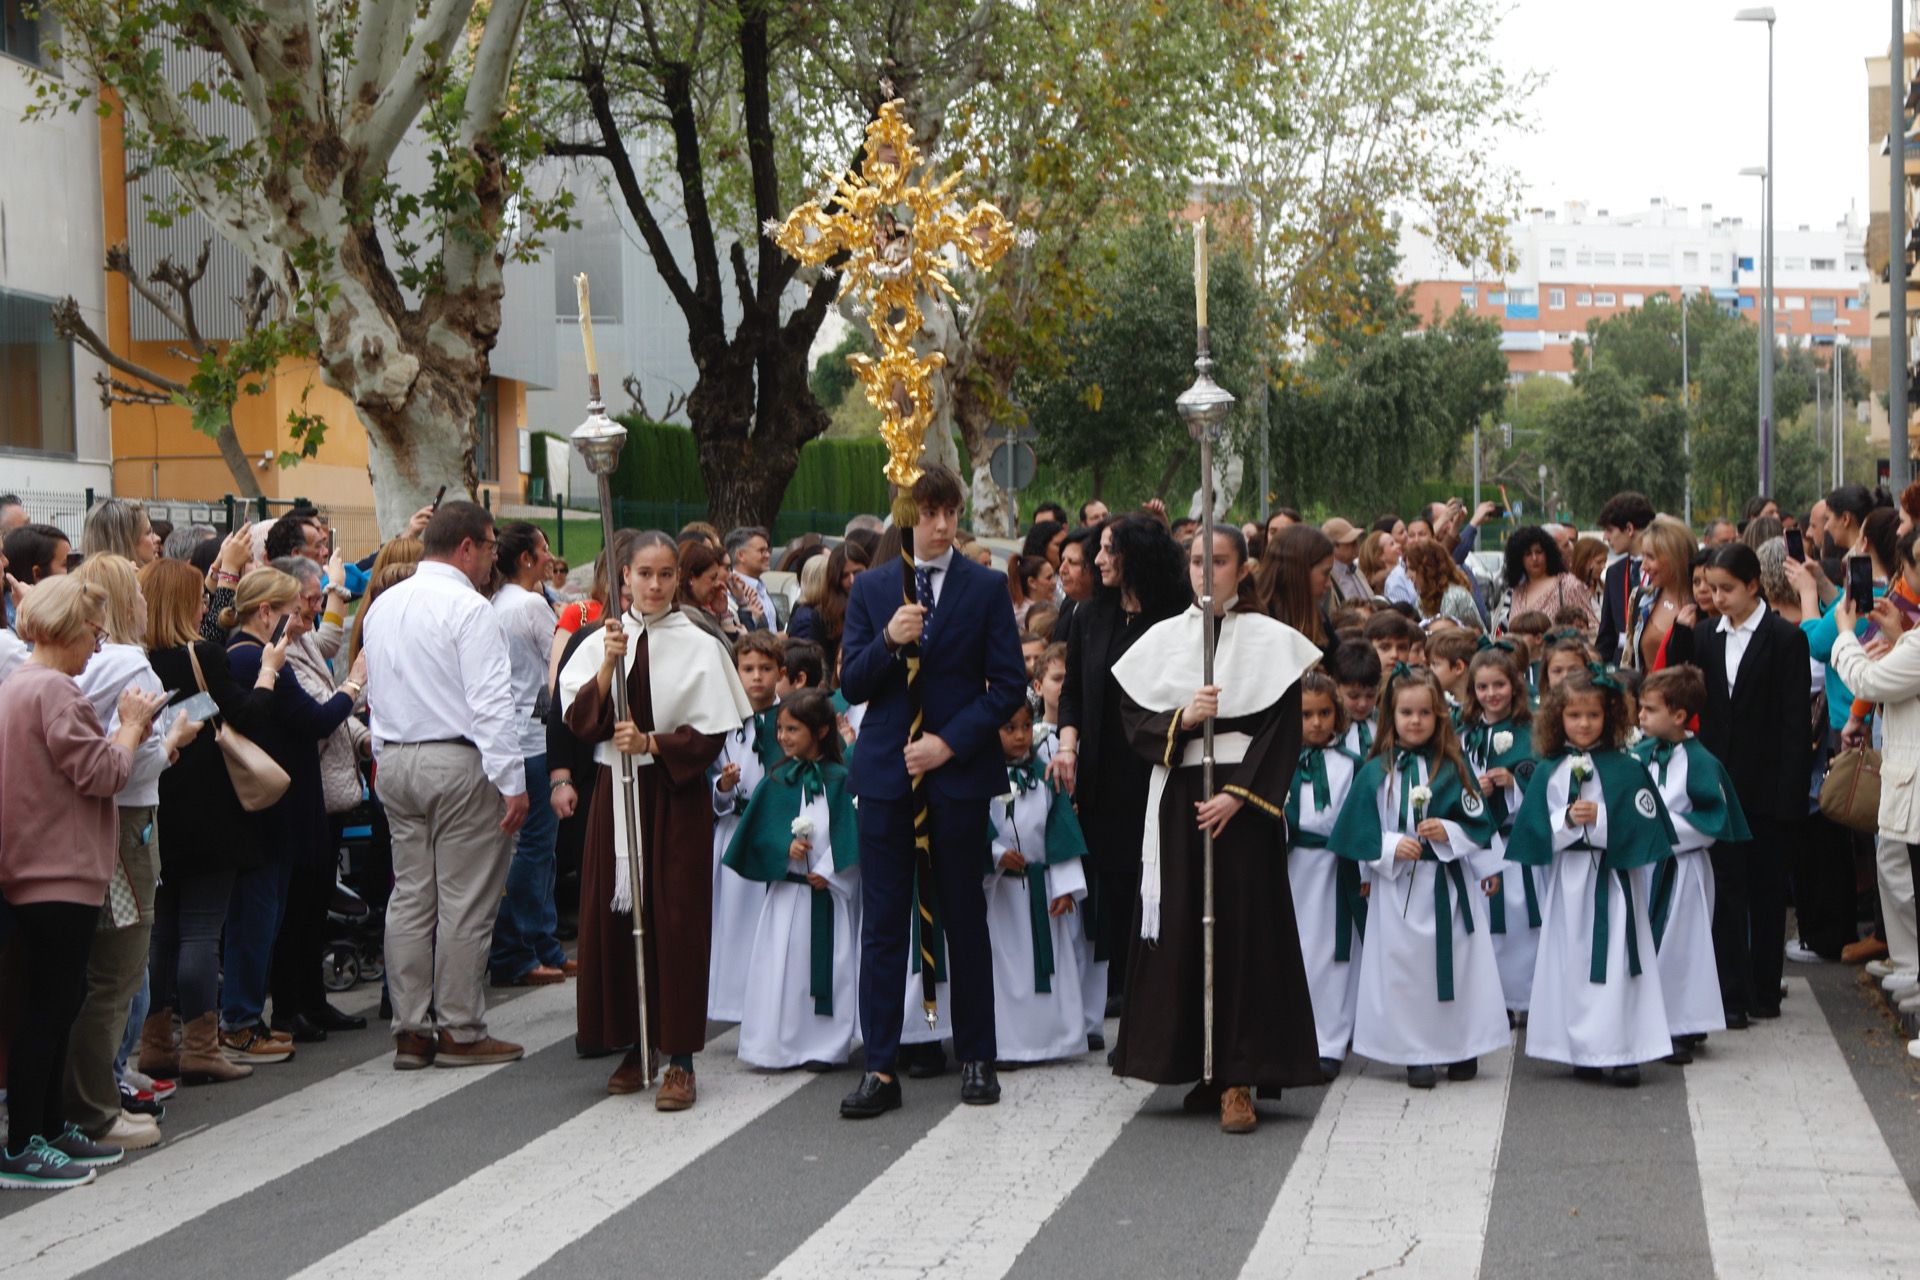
{"points": [[59, 830]]}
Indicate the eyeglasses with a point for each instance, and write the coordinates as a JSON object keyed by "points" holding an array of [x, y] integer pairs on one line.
{"points": [[99, 636]]}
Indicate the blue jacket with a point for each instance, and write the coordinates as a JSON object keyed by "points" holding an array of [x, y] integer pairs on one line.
{"points": [[972, 679]]}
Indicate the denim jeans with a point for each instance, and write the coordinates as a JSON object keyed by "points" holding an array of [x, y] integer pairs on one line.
{"points": [[523, 932], [253, 921], [184, 965]]}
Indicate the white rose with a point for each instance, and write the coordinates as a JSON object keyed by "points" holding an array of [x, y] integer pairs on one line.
{"points": [[1420, 796], [1502, 742], [803, 828], [1635, 737]]}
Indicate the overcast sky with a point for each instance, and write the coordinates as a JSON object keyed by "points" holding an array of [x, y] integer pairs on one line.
{"points": [[1668, 98]]}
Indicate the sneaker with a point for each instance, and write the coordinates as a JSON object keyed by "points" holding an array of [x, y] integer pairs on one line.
{"points": [[253, 1046], [41, 1168], [484, 1052], [1900, 983], [1910, 1002], [1879, 969], [1864, 951], [1801, 954], [144, 1083], [82, 1150], [140, 1102]]}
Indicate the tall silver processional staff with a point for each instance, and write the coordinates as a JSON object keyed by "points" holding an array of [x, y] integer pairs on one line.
{"points": [[599, 440], [1205, 406]]}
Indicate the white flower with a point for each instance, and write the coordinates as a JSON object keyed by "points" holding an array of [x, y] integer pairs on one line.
{"points": [[1635, 737], [1421, 797], [1582, 768], [1026, 237], [803, 828], [771, 226], [1502, 742]]}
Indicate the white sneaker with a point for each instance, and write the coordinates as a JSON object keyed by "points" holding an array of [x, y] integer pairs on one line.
{"points": [[1801, 955], [1898, 983], [1909, 1003], [1881, 968], [131, 1133], [140, 1080], [1913, 1048]]}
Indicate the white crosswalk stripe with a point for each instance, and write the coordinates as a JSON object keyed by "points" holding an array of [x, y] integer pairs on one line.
{"points": [[1389, 1180], [1793, 1168], [181, 1181], [990, 1177]]}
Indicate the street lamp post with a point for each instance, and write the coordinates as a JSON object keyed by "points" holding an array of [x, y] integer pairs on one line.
{"points": [[1765, 416], [1899, 467], [1766, 266]]}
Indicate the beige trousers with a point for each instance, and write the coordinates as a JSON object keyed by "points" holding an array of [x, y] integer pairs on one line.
{"points": [[450, 862], [1895, 873], [116, 963]]}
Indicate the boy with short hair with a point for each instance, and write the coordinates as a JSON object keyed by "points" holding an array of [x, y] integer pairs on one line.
{"points": [[804, 666], [1049, 678], [1392, 636], [1448, 653], [1355, 668], [749, 753]]}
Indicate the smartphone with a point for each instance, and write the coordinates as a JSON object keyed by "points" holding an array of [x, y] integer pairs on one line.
{"points": [[279, 629], [437, 497], [200, 706], [1796, 545], [1860, 584]]}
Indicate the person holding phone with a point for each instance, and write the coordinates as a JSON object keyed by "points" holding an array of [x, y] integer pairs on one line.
{"points": [[291, 831]]}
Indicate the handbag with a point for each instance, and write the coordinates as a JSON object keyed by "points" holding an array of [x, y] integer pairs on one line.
{"points": [[258, 780], [1851, 794]]}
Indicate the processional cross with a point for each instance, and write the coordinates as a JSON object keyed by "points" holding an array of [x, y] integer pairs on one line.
{"points": [[896, 232]]}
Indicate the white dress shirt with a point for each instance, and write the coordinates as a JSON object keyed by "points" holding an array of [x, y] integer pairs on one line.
{"points": [[438, 671], [766, 602], [1399, 586], [528, 622], [1738, 638], [941, 565]]}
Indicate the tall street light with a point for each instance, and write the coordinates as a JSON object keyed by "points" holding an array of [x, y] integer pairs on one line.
{"points": [[1766, 330], [1765, 14]]}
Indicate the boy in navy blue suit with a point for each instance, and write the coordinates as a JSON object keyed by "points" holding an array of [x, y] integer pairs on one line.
{"points": [[971, 680]]}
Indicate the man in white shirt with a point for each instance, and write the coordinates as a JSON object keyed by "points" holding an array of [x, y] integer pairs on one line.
{"points": [[447, 737], [752, 553]]}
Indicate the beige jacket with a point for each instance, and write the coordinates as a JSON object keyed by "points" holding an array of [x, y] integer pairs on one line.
{"points": [[1894, 682]]}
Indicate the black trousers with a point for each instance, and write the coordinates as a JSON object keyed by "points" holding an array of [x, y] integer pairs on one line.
{"points": [[1750, 917], [886, 912], [57, 936], [295, 980]]}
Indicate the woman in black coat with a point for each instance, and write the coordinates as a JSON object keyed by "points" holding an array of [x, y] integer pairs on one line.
{"points": [[209, 838], [1759, 704], [1143, 580]]}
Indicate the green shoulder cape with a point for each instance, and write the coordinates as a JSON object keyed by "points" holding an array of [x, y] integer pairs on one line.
{"points": [[1357, 834], [1639, 832], [1065, 842], [1716, 811]]}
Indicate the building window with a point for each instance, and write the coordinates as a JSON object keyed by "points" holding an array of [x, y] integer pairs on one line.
{"points": [[1633, 260], [1821, 309], [36, 374], [486, 431], [1556, 299], [1856, 261], [1660, 260], [1583, 258], [20, 30], [1469, 297], [1796, 264], [1690, 261], [1746, 263], [1855, 304], [1794, 302], [1583, 299], [1602, 299], [1633, 299], [1604, 259], [1519, 297], [1497, 298], [1556, 257]]}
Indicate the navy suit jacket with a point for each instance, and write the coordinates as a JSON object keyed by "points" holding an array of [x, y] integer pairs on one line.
{"points": [[972, 679]]}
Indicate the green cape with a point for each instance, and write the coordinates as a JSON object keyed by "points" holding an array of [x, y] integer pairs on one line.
{"points": [[1357, 834], [1715, 811], [759, 847], [1349, 908]]}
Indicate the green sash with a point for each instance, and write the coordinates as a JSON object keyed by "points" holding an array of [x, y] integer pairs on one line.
{"points": [[1661, 907], [1639, 834], [759, 847], [1715, 810], [1444, 872], [1064, 840]]}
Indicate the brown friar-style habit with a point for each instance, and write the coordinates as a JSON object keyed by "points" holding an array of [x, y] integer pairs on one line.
{"points": [[676, 833]]}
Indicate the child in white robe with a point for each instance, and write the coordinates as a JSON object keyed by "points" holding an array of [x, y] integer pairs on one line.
{"points": [[1498, 741], [744, 760], [1033, 885], [799, 837], [1327, 903], [1429, 986], [1705, 809], [1592, 812]]}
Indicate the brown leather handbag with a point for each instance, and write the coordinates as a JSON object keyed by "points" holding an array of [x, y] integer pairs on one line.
{"points": [[1850, 795], [258, 780]]}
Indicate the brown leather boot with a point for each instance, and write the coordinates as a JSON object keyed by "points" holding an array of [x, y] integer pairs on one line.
{"points": [[201, 1061], [159, 1057], [676, 1091], [1236, 1111]]}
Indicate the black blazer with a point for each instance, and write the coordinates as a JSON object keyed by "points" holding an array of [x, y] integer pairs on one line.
{"points": [[1099, 636], [1616, 593], [1759, 730]]}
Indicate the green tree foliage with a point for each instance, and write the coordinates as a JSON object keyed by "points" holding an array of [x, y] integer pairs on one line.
{"points": [[1379, 402], [1609, 438], [832, 376], [1110, 415]]}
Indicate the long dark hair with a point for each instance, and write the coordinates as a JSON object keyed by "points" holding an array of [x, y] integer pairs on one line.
{"points": [[511, 541], [813, 709], [1881, 532], [1471, 712], [1286, 579], [1151, 567], [1525, 539], [1550, 725], [833, 606], [1041, 536]]}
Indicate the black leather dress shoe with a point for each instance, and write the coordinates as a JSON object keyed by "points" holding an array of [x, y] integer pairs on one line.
{"points": [[979, 1086], [1737, 1022], [328, 1018], [871, 1097], [923, 1061], [302, 1028]]}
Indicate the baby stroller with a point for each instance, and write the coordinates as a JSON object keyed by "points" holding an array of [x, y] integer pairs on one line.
{"points": [[354, 929]]}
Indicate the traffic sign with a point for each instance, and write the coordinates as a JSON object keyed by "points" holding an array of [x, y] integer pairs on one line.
{"points": [[1013, 465]]}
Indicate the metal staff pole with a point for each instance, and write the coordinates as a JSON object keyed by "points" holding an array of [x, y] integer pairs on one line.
{"points": [[599, 440], [1205, 406]]}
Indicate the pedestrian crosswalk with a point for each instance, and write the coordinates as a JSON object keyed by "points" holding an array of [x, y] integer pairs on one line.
{"points": [[1763, 1158]]}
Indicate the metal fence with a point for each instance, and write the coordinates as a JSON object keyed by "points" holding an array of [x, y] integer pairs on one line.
{"points": [[674, 516]]}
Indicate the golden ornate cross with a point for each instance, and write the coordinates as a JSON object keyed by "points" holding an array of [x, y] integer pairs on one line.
{"points": [[896, 234]]}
